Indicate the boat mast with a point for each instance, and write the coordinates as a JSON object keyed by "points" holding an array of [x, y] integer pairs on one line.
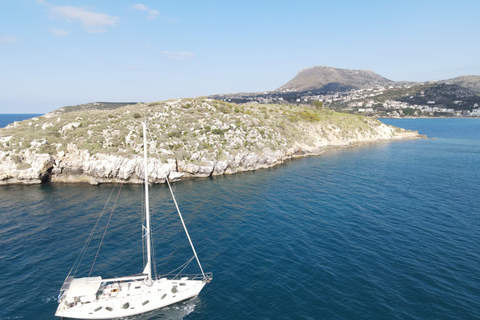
{"points": [[148, 267]]}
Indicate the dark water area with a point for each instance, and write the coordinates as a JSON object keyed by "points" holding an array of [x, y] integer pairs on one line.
{"points": [[378, 231], [7, 118]]}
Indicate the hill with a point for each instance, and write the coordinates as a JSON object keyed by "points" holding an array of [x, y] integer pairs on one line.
{"points": [[188, 138], [322, 78], [470, 82], [363, 91], [94, 106], [443, 95], [423, 99]]}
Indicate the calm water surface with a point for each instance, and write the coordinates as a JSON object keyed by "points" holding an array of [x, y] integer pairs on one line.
{"points": [[379, 231], [7, 118]]}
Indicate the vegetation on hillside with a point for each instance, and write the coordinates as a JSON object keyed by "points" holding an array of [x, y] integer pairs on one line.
{"points": [[187, 129], [95, 106]]}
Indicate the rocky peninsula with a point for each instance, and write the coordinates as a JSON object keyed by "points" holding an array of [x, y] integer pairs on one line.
{"points": [[187, 138]]}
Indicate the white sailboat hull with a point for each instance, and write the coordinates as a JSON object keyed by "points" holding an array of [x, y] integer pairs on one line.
{"points": [[128, 299]]}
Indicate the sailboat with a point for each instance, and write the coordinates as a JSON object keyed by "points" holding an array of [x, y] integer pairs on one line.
{"points": [[97, 298]]}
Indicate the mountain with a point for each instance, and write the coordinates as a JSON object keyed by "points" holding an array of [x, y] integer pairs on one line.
{"points": [[470, 82], [322, 78], [328, 79], [316, 83]]}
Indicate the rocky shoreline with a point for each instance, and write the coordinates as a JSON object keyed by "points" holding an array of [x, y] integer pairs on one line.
{"points": [[79, 166]]}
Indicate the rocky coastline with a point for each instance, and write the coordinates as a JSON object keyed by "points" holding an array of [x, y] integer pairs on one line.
{"points": [[70, 163]]}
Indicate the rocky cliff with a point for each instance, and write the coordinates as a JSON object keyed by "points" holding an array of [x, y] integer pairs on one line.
{"points": [[187, 138]]}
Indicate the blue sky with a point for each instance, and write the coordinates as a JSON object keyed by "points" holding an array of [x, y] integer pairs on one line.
{"points": [[57, 53]]}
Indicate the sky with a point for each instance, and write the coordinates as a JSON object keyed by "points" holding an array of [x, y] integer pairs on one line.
{"points": [[57, 53]]}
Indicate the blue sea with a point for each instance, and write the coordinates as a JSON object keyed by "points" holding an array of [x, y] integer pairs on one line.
{"points": [[385, 230], [7, 118]]}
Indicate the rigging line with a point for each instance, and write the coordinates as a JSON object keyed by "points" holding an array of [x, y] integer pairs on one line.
{"points": [[154, 264], [87, 243], [152, 238], [82, 253], [183, 265], [185, 228], [179, 272], [108, 222], [153, 228]]}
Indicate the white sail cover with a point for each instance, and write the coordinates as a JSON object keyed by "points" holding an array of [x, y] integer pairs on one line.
{"points": [[83, 287]]}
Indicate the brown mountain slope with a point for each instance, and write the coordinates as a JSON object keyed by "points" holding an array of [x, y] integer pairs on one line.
{"points": [[320, 77]]}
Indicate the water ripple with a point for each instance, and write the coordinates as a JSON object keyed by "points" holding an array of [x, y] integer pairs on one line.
{"points": [[385, 231]]}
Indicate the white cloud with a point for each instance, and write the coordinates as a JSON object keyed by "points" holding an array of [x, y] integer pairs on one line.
{"points": [[96, 30], [90, 20], [181, 55], [140, 7], [152, 13], [9, 39], [58, 32]]}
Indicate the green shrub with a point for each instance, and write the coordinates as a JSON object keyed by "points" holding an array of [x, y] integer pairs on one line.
{"points": [[219, 131], [175, 134], [47, 148], [223, 109], [317, 104]]}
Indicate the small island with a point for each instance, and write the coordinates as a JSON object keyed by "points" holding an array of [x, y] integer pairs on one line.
{"points": [[199, 137]]}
